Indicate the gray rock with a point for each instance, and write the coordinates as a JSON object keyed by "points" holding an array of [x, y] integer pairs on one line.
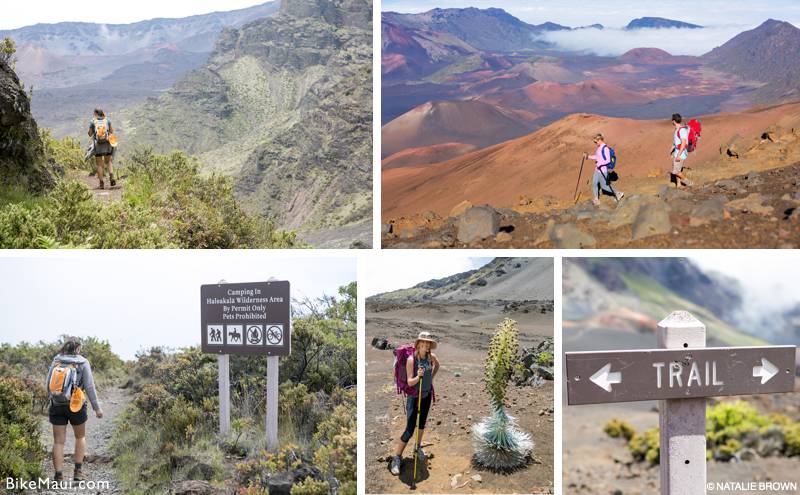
{"points": [[728, 185], [668, 193], [281, 484], [568, 236], [478, 223], [626, 213], [652, 219], [710, 210], [193, 487]]}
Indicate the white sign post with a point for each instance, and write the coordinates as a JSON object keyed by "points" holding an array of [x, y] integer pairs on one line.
{"points": [[223, 364], [272, 403], [682, 421]]}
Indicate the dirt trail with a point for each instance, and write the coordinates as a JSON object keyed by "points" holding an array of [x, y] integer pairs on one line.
{"points": [[109, 194], [97, 465], [461, 401]]}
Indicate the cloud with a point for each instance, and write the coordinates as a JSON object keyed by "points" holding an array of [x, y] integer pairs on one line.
{"points": [[400, 270], [615, 41]]}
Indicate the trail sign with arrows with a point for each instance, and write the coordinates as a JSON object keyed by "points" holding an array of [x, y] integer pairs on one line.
{"points": [[626, 376], [250, 319]]}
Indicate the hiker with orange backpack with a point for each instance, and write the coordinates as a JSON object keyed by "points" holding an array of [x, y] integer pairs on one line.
{"points": [[104, 142], [606, 160], [415, 367], [684, 141], [69, 383]]}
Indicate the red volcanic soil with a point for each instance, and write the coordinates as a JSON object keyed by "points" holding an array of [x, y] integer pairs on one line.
{"points": [[546, 162], [565, 97], [653, 56], [427, 155], [468, 121]]}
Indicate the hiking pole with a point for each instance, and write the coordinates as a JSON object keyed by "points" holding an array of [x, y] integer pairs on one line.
{"points": [[416, 440], [580, 172]]}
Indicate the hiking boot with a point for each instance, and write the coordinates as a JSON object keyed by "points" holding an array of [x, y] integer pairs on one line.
{"points": [[687, 183], [102, 185], [620, 195], [78, 476], [596, 202], [113, 181], [397, 461], [421, 455], [58, 477]]}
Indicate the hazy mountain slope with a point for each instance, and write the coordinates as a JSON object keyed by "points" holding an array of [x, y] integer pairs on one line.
{"points": [[635, 304], [284, 104], [659, 22], [769, 53], [485, 29], [77, 66], [508, 279]]}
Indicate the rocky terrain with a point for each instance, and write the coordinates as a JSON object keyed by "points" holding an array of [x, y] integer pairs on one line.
{"points": [[744, 192], [284, 105], [76, 66], [21, 154]]}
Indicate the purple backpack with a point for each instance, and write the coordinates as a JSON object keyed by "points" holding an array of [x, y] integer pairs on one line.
{"points": [[401, 355]]}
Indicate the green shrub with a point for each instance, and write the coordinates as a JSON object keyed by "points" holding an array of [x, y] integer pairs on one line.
{"points": [[166, 203], [545, 359], [616, 428], [21, 451], [645, 447], [310, 486], [66, 152]]}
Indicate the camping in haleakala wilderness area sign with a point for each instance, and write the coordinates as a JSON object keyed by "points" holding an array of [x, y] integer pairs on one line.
{"points": [[251, 319], [656, 374]]}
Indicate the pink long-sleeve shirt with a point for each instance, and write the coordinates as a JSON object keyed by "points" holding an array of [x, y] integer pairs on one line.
{"points": [[603, 158]]}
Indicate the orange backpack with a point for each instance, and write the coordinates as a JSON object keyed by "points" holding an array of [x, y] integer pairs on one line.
{"points": [[100, 130]]}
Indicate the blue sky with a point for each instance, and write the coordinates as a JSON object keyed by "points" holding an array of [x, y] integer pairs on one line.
{"points": [[52, 11], [722, 20], [138, 299]]}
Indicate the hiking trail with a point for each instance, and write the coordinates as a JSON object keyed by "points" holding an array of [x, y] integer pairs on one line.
{"points": [[98, 463], [109, 194]]}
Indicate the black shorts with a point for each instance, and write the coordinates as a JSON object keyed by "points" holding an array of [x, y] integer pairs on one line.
{"points": [[60, 415]]}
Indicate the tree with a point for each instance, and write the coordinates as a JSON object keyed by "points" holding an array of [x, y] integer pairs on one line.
{"points": [[499, 445], [7, 50]]}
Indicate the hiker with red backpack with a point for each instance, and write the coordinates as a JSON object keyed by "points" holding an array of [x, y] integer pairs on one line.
{"points": [[69, 383], [415, 367], [606, 160], [684, 141]]}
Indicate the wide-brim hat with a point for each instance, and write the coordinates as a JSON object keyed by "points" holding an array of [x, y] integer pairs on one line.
{"points": [[426, 337]]}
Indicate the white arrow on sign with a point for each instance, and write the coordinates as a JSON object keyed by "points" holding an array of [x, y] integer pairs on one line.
{"points": [[604, 377], [766, 371]]}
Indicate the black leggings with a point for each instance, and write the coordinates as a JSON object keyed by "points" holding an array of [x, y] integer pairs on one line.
{"points": [[411, 415]]}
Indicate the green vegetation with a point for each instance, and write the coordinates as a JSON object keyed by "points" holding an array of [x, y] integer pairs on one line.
{"points": [[545, 359], [657, 301], [166, 203], [170, 431], [499, 445], [66, 152], [21, 451], [732, 428], [7, 50]]}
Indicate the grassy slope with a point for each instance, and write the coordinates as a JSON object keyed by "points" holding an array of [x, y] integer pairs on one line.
{"points": [[658, 301]]}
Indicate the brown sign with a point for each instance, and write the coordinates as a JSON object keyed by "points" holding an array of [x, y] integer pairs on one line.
{"points": [[252, 319], [627, 376]]}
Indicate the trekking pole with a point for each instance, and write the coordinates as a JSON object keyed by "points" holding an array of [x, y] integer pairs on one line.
{"points": [[416, 440], [579, 179]]}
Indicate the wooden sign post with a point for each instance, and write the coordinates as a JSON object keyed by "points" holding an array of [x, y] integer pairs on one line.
{"points": [[250, 319], [680, 374]]}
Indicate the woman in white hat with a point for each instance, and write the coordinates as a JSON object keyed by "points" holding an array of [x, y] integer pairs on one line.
{"points": [[422, 365]]}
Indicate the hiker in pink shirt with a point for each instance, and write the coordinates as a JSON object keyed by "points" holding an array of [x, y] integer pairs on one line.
{"points": [[602, 156]]}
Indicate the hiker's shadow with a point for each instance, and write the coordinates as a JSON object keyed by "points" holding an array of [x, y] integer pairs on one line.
{"points": [[407, 472]]}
